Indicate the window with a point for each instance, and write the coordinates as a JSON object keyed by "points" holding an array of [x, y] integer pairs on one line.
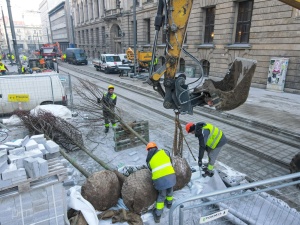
{"points": [[79, 37], [92, 36], [243, 22], [209, 25], [18, 30], [29, 38], [205, 66], [34, 31], [87, 37], [97, 36], [83, 41], [181, 65], [103, 35], [147, 33]]}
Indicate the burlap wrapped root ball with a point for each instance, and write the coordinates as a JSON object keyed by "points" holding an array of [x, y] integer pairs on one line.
{"points": [[102, 190], [183, 172], [138, 192]]}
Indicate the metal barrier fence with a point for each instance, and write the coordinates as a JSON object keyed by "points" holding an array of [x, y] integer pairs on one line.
{"points": [[28, 91], [253, 203]]}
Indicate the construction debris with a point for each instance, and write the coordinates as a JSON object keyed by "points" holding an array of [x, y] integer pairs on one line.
{"points": [[102, 190]]}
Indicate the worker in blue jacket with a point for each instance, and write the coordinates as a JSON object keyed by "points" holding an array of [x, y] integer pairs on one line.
{"points": [[163, 177]]}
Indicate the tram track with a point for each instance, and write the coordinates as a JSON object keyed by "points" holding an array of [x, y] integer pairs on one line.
{"points": [[229, 121]]}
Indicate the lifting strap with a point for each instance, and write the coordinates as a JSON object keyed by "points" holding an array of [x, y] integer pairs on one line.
{"points": [[178, 138]]}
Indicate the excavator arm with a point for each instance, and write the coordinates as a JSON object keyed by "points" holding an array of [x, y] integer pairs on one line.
{"points": [[293, 3], [231, 92]]}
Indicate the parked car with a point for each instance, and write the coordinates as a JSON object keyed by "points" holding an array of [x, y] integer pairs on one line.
{"points": [[108, 63], [76, 56], [28, 91]]}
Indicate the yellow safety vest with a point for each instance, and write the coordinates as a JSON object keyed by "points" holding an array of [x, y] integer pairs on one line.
{"points": [[2, 67], [214, 137], [12, 57], [64, 56], [160, 165], [113, 96]]}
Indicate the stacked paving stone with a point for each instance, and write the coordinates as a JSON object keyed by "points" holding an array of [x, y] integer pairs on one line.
{"points": [[25, 158], [44, 205], [32, 162]]}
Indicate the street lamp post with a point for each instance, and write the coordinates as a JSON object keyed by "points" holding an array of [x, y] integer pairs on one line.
{"points": [[14, 39], [7, 40], [134, 34]]}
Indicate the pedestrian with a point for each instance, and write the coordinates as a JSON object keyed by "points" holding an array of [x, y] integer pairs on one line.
{"points": [[155, 63], [3, 68], [163, 177], [109, 101], [211, 139]]}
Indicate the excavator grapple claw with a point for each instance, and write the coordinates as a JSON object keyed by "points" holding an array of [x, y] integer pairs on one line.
{"points": [[233, 90]]}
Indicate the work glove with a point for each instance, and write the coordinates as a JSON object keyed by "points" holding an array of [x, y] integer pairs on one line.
{"points": [[98, 100]]}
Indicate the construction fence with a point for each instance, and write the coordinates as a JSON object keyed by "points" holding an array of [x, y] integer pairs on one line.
{"points": [[270, 202], [25, 92]]}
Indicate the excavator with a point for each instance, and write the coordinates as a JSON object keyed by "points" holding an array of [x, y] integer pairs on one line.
{"points": [[227, 94], [143, 57]]}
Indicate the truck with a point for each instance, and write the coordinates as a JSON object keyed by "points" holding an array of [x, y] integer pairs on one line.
{"points": [[108, 63], [50, 51]]}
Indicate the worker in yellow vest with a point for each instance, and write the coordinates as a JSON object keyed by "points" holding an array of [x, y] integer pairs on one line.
{"points": [[163, 177], [211, 139], [3, 68], [12, 57]]}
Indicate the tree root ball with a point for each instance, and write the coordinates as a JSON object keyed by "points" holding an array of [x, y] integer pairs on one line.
{"points": [[102, 190], [183, 172], [138, 192]]}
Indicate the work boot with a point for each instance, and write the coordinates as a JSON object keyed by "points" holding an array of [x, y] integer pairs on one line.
{"points": [[156, 217], [169, 205], [106, 129]]}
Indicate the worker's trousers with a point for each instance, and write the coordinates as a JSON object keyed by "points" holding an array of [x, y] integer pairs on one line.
{"points": [[163, 195], [213, 154]]}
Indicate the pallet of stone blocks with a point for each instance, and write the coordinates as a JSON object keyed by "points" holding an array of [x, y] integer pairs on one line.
{"points": [[54, 171], [124, 139], [43, 204]]}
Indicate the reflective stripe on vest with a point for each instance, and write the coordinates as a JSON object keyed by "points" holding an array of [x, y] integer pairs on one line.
{"points": [[214, 137], [160, 165]]}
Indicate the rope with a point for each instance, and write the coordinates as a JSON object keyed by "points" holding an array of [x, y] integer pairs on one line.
{"points": [[178, 145]]}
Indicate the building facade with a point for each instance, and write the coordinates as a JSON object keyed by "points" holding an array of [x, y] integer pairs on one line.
{"points": [[29, 36], [218, 32]]}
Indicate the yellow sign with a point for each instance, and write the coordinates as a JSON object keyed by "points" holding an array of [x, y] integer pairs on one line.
{"points": [[18, 97]]}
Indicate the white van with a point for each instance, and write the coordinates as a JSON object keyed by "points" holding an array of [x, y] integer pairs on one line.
{"points": [[108, 63], [28, 91], [123, 58]]}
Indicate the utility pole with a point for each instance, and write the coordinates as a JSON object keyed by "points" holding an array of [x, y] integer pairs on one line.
{"points": [[14, 39], [134, 34], [7, 40]]}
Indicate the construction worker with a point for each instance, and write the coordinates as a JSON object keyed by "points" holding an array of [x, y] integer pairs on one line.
{"points": [[155, 63], [3, 68], [163, 177], [12, 57], [109, 101], [24, 58], [64, 57], [42, 62], [211, 139]]}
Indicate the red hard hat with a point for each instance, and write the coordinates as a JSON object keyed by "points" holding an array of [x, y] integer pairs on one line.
{"points": [[151, 145], [188, 127]]}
